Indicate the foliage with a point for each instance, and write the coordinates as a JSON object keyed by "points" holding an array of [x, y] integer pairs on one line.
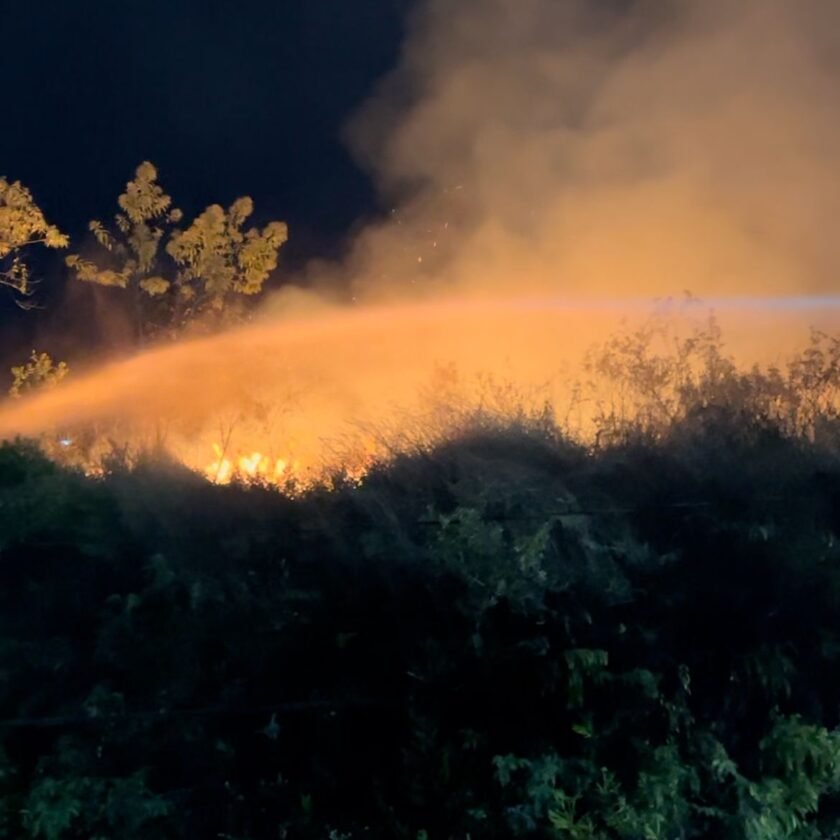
{"points": [[645, 380], [505, 635], [215, 251], [22, 225], [39, 371], [179, 278], [93, 807]]}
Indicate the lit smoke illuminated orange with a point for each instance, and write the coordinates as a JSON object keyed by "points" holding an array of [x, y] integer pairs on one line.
{"points": [[283, 400]]}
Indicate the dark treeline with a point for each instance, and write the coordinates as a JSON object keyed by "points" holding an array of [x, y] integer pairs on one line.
{"points": [[506, 635]]}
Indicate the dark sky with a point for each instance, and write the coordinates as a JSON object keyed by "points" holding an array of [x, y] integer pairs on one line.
{"points": [[226, 97]]}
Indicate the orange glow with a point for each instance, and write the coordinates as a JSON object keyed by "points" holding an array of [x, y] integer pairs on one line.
{"points": [[287, 400]]}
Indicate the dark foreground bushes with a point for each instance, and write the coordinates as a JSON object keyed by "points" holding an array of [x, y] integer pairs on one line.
{"points": [[506, 637]]}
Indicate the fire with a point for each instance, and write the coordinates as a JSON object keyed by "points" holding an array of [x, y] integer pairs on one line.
{"points": [[255, 466], [258, 467]]}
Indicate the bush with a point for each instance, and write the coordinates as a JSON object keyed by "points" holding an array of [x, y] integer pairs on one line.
{"points": [[501, 634]]}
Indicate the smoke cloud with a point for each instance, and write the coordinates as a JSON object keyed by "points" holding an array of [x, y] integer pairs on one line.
{"points": [[605, 148]]}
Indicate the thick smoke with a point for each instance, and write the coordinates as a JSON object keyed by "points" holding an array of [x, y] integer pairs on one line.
{"points": [[608, 148]]}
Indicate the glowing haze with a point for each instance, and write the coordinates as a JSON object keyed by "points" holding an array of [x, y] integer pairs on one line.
{"points": [[532, 150], [612, 147]]}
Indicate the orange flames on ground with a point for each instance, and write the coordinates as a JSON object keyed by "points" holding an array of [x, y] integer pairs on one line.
{"points": [[253, 467], [259, 468]]}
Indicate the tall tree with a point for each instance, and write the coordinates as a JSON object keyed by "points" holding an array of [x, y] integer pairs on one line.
{"points": [[180, 278]]}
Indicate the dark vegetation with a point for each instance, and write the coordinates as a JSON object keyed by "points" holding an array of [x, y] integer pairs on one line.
{"points": [[505, 635]]}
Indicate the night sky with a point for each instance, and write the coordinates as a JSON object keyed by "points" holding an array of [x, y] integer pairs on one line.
{"points": [[225, 97]]}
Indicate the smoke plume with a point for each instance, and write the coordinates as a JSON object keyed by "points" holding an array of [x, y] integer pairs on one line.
{"points": [[607, 148]]}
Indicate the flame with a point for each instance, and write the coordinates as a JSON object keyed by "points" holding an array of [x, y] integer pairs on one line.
{"points": [[259, 467], [254, 466]]}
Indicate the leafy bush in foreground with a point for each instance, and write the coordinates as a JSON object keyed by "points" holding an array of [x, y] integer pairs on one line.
{"points": [[506, 636]]}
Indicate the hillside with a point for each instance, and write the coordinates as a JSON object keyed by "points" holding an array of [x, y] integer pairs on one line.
{"points": [[506, 636]]}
